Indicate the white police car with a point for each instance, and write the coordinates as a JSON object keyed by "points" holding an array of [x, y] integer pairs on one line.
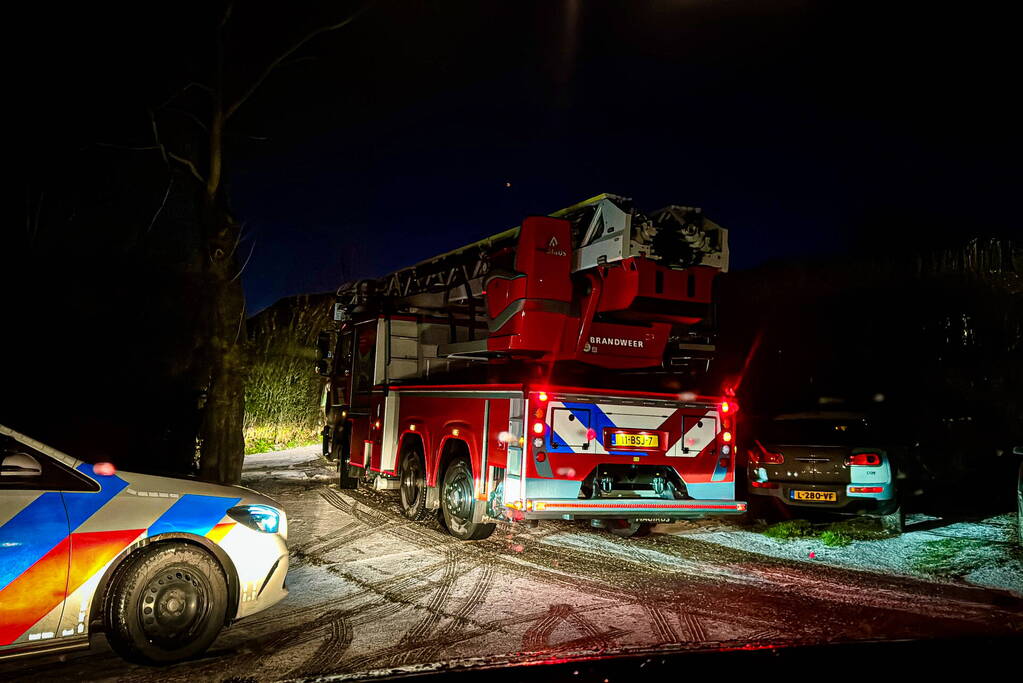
{"points": [[160, 564]]}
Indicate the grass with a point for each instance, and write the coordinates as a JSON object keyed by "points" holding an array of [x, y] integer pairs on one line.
{"points": [[282, 393], [949, 557], [279, 436], [835, 535]]}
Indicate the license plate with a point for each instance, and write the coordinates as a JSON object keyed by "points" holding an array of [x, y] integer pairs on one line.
{"points": [[815, 496], [635, 440], [652, 520]]}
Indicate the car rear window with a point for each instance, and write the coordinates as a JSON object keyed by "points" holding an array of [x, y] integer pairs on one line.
{"points": [[820, 432]]}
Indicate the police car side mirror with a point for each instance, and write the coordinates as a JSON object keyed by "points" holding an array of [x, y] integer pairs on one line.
{"points": [[20, 465]]}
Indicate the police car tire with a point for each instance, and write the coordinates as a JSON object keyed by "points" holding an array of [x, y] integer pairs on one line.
{"points": [[125, 602]]}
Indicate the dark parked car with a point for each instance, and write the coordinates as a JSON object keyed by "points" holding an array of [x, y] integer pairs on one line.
{"points": [[826, 460]]}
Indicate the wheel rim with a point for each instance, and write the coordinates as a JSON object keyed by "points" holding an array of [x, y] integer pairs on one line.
{"points": [[174, 606], [458, 497], [410, 483]]}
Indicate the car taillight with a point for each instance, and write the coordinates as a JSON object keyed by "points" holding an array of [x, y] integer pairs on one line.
{"points": [[867, 459], [762, 456], [866, 489], [763, 484]]}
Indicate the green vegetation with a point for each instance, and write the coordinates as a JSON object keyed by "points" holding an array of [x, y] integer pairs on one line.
{"points": [[835, 535], [950, 557], [282, 393], [787, 531]]}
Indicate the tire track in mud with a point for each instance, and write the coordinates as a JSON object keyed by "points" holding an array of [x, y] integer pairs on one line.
{"points": [[661, 625], [331, 649], [537, 638], [697, 633], [483, 553], [456, 627]]}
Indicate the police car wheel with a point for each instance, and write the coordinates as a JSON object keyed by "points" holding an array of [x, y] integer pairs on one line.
{"points": [[166, 604], [458, 502], [412, 486], [625, 529]]}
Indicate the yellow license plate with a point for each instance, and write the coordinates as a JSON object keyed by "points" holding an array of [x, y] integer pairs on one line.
{"points": [[816, 496], [635, 440]]}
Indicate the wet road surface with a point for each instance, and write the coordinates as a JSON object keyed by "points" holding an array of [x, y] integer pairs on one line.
{"points": [[372, 592]]}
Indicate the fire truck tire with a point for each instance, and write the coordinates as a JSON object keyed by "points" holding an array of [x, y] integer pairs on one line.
{"points": [[458, 503], [627, 529], [412, 486]]}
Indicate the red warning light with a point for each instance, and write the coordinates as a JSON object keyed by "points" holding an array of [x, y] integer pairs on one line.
{"points": [[591, 434], [104, 469]]}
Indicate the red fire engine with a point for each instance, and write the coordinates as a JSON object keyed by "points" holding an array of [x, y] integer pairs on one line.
{"points": [[547, 372]]}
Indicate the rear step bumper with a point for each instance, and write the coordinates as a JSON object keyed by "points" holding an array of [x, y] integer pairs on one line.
{"points": [[624, 508]]}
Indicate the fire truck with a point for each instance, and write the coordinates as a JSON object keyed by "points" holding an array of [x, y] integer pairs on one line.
{"points": [[551, 371]]}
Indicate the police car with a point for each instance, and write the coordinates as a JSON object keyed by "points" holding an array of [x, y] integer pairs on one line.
{"points": [[159, 564]]}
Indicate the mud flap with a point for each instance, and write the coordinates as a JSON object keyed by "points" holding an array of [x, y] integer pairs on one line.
{"points": [[433, 497], [347, 476]]}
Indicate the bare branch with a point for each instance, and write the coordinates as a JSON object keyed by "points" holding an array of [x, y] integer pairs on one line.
{"points": [[130, 148], [183, 90], [188, 163], [159, 210], [195, 119], [230, 111], [156, 138], [242, 269]]}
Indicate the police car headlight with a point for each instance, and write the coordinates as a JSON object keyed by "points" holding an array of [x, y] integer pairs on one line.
{"points": [[258, 517]]}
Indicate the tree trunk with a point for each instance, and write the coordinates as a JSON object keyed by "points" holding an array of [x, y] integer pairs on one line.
{"points": [[221, 442]]}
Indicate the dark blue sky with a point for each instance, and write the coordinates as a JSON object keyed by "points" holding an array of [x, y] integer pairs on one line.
{"points": [[805, 128]]}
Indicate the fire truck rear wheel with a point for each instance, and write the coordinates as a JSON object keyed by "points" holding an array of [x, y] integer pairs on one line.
{"points": [[412, 487], [627, 529], [458, 503]]}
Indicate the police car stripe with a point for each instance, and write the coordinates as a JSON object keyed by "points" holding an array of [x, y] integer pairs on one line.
{"points": [[38, 590], [33, 593], [193, 514], [82, 506], [30, 534]]}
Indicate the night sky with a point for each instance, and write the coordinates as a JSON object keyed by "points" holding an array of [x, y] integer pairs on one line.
{"points": [[807, 128]]}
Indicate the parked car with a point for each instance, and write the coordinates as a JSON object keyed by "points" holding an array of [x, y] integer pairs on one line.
{"points": [[160, 563], [826, 460]]}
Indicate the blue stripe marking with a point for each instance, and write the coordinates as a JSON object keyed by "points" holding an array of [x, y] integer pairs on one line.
{"points": [[83, 505], [599, 420], [712, 490], [719, 471], [46, 521], [30, 534], [193, 514]]}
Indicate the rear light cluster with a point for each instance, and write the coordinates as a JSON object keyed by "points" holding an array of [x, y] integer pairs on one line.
{"points": [[867, 459], [866, 489], [762, 456]]}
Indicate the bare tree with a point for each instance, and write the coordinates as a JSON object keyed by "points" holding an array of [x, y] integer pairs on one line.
{"points": [[220, 365]]}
